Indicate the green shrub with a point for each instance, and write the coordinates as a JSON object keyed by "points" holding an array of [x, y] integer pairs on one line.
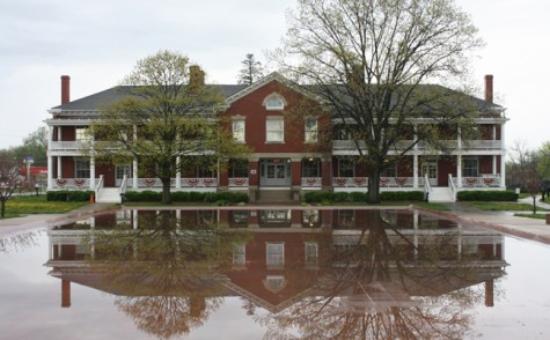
{"points": [[402, 196], [183, 196], [358, 196], [480, 195], [68, 195]]}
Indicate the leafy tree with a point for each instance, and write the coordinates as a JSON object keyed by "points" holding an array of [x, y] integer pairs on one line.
{"points": [[166, 116], [368, 61], [9, 178], [252, 70], [35, 145]]}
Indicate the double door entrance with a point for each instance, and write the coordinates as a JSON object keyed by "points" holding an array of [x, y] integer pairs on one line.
{"points": [[275, 172]]}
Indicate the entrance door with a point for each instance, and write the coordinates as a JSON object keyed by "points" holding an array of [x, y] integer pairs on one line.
{"points": [[430, 168], [275, 172], [120, 171]]}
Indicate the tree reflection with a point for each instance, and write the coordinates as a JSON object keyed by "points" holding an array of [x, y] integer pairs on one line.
{"points": [[165, 271], [18, 242], [366, 293]]}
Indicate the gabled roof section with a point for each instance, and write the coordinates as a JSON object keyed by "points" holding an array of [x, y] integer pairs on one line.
{"points": [[97, 101], [275, 76]]}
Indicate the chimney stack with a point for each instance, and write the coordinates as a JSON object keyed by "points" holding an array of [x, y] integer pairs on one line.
{"points": [[489, 88], [65, 293], [196, 77], [65, 89]]}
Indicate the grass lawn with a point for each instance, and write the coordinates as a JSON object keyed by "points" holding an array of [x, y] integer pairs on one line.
{"points": [[25, 205], [536, 216], [501, 206]]}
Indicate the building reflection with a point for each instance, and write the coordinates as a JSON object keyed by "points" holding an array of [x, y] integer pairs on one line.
{"points": [[326, 273]]}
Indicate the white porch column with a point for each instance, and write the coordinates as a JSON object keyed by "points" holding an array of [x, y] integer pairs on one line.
{"points": [[135, 174], [459, 138], [494, 165], [59, 168], [502, 158], [134, 219], [415, 237], [59, 133], [178, 173], [459, 171], [92, 172], [415, 171], [50, 172]]}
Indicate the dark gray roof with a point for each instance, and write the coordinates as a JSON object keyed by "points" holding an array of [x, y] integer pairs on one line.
{"points": [[107, 97]]}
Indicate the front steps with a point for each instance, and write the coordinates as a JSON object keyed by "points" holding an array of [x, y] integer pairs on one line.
{"points": [[108, 195], [442, 195]]}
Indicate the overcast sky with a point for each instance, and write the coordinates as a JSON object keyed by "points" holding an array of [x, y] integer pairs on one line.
{"points": [[98, 42]]}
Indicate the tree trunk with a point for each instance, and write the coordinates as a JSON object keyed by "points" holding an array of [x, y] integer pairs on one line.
{"points": [[534, 205], [374, 187], [3, 209], [166, 198]]}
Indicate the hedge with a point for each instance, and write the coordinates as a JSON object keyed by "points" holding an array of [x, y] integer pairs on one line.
{"points": [[338, 197], [501, 196], [182, 196], [76, 196]]}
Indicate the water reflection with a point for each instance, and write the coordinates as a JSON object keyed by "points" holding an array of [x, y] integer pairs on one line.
{"points": [[301, 273]]}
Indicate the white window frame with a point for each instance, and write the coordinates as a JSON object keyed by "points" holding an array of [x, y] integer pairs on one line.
{"points": [[238, 136], [78, 160], [311, 260], [269, 129], [311, 135], [268, 101], [272, 259], [239, 254], [341, 161], [466, 160], [81, 134]]}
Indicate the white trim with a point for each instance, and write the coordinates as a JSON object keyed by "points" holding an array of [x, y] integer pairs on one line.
{"points": [[276, 96]]}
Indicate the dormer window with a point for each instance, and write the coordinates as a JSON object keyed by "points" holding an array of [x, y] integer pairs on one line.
{"points": [[274, 102]]}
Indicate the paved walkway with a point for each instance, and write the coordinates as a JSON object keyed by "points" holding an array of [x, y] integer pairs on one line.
{"points": [[20, 224], [506, 222], [529, 200]]}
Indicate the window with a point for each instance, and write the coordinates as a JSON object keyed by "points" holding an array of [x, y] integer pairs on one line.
{"points": [[238, 168], [311, 253], [238, 128], [310, 130], [275, 216], [205, 172], [275, 254], [82, 168], [239, 216], [346, 218], [346, 167], [340, 132], [124, 169], [311, 168], [239, 254], [274, 283], [274, 102], [470, 167], [275, 129], [82, 134], [390, 171]]}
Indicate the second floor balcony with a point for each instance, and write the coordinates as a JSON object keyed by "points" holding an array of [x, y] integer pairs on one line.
{"points": [[453, 144]]}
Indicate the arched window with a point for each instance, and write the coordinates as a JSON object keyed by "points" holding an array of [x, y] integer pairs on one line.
{"points": [[274, 102]]}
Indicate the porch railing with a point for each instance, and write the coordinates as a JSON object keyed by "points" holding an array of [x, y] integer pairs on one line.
{"points": [[99, 185], [452, 187], [479, 182], [311, 182], [350, 182], [71, 183], [396, 182], [238, 182]]}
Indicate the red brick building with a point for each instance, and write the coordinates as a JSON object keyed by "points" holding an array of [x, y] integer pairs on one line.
{"points": [[290, 153]]}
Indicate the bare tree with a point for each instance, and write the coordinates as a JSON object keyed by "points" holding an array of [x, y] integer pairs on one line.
{"points": [[369, 60], [9, 178], [524, 170], [252, 70]]}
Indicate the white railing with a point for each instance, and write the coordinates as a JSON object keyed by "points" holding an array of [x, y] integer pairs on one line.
{"points": [[69, 145], [71, 183], [199, 182], [352, 182], [98, 186], [427, 186], [118, 181], [452, 187], [347, 145], [149, 183], [480, 182], [123, 185], [311, 182], [433, 181], [396, 182], [238, 181], [482, 144]]}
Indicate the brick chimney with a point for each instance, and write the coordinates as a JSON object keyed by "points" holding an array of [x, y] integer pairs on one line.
{"points": [[65, 89], [489, 88], [65, 293], [196, 77]]}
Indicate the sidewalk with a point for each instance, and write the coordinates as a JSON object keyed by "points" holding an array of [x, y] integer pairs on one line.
{"points": [[19, 224], [529, 228], [529, 200]]}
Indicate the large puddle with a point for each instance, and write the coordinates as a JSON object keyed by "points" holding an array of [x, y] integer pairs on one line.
{"points": [[275, 274]]}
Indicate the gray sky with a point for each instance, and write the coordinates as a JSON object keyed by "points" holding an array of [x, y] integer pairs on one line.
{"points": [[98, 42]]}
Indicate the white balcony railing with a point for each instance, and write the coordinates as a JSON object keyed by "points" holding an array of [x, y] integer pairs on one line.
{"points": [[238, 182], [479, 182], [152, 183], [482, 144], [71, 184], [311, 182], [350, 182], [399, 182], [447, 144], [69, 145]]}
